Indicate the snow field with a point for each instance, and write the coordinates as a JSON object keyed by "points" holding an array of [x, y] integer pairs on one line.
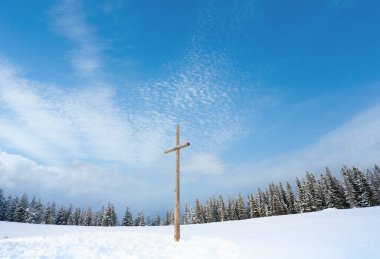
{"points": [[332, 233], [117, 245]]}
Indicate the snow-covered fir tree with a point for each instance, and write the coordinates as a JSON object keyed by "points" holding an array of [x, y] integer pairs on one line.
{"points": [[241, 211], [283, 195], [2, 205], [208, 211], [148, 221], [11, 204], [97, 218], [199, 216], [169, 219], [186, 218], [21, 210], [302, 203], [277, 205], [231, 209], [62, 216], [48, 216], [222, 212], [309, 202], [35, 211], [87, 217], [192, 215], [374, 183], [261, 204], [157, 220], [365, 195], [68, 213], [127, 218], [333, 191], [311, 189], [109, 217], [214, 208], [350, 188], [75, 217], [321, 192], [293, 208], [53, 212], [252, 208]]}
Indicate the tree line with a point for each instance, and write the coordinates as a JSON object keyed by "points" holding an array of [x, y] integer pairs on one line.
{"points": [[355, 189]]}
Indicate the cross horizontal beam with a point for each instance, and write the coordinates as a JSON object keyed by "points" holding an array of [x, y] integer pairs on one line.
{"points": [[177, 147]]}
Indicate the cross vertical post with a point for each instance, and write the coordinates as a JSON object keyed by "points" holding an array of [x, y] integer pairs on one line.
{"points": [[176, 190], [176, 185]]}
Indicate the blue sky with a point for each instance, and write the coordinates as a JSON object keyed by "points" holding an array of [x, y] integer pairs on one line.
{"points": [[91, 91]]}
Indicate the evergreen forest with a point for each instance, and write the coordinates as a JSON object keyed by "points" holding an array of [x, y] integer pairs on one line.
{"points": [[354, 189]]}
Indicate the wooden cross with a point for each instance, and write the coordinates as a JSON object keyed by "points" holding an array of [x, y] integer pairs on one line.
{"points": [[176, 188]]}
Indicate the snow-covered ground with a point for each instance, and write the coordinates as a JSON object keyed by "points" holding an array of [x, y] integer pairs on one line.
{"points": [[330, 233]]}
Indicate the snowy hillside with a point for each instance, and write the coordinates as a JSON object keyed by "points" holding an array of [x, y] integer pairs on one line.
{"points": [[331, 233]]}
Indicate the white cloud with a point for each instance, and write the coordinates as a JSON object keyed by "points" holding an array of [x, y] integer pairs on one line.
{"points": [[75, 180], [54, 127], [19, 171], [204, 163]]}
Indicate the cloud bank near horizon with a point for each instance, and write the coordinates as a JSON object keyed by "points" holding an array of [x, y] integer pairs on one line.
{"points": [[354, 143]]}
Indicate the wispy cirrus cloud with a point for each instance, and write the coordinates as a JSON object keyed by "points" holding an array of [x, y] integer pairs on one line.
{"points": [[68, 20], [203, 91], [53, 126], [200, 98]]}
